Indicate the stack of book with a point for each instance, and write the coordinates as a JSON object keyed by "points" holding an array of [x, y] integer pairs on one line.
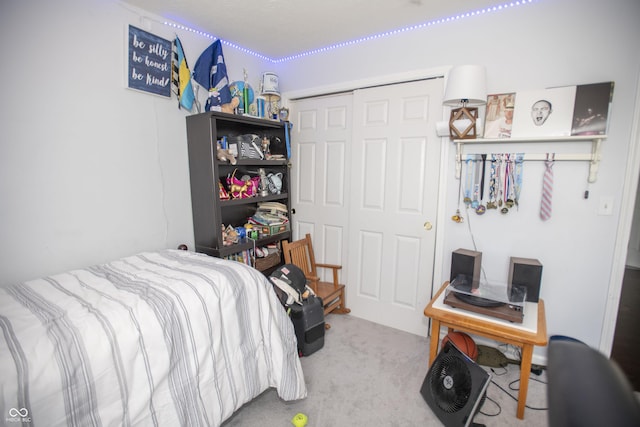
{"points": [[270, 218]]}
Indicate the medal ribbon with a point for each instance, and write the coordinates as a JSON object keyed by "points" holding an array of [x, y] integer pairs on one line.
{"points": [[468, 181], [518, 170], [492, 182]]}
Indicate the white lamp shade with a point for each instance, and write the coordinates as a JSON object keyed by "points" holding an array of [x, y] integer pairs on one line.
{"points": [[270, 85], [466, 82]]}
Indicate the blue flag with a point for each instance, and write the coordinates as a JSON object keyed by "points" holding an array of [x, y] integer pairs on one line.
{"points": [[181, 77], [211, 72]]}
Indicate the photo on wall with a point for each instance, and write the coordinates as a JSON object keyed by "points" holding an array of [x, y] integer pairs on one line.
{"points": [[544, 113], [591, 110], [499, 115]]}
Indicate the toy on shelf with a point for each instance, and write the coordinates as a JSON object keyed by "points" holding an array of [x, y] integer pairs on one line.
{"points": [[229, 235], [230, 108], [222, 192], [224, 154], [242, 188]]}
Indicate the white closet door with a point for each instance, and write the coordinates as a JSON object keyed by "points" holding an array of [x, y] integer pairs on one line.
{"points": [[321, 146], [394, 194]]}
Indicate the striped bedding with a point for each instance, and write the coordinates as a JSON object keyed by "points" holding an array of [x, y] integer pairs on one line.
{"points": [[169, 338]]}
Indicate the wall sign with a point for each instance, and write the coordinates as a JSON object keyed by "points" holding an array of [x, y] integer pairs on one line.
{"points": [[149, 67]]}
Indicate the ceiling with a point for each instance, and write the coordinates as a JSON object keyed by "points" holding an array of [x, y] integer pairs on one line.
{"points": [[283, 28]]}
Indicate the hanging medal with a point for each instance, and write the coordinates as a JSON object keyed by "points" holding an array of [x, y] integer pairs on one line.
{"points": [[475, 201], [499, 179], [491, 204], [504, 187], [481, 209], [468, 180], [510, 191], [517, 177], [457, 217]]}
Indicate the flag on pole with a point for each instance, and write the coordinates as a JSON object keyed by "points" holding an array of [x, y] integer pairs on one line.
{"points": [[210, 72], [181, 77]]}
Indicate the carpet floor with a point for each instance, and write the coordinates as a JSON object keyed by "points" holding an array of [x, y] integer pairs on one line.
{"points": [[370, 375]]}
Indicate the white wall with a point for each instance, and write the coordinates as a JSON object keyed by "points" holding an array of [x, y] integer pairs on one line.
{"points": [[539, 45], [89, 170]]}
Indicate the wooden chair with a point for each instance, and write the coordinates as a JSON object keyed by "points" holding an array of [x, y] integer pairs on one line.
{"points": [[300, 254]]}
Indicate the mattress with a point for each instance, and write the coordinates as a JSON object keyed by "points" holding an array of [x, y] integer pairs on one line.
{"points": [[164, 338]]}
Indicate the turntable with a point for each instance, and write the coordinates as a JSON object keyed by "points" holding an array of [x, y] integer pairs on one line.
{"points": [[487, 299]]}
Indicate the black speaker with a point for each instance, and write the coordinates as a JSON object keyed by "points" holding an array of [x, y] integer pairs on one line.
{"points": [[525, 272], [466, 263]]}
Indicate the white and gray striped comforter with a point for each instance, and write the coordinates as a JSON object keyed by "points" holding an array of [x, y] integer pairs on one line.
{"points": [[165, 338]]}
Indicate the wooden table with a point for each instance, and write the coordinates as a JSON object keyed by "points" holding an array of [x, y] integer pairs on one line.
{"points": [[495, 329]]}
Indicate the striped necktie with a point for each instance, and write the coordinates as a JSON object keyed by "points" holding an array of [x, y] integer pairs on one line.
{"points": [[547, 189]]}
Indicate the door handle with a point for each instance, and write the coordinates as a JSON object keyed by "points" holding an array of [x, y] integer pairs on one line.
{"points": [[428, 226]]}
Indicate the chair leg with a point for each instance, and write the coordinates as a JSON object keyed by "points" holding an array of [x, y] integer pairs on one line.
{"points": [[341, 309], [343, 304]]}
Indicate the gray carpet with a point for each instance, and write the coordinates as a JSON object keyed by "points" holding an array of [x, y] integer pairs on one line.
{"points": [[370, 375]]}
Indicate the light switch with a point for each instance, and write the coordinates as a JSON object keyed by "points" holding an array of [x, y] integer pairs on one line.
{"points": [[606, 205]]}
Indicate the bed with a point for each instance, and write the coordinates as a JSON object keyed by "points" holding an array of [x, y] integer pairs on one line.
{"points": [[167, 338]]}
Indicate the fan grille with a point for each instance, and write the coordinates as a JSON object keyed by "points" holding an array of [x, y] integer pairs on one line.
{"points": [[450, 383]]}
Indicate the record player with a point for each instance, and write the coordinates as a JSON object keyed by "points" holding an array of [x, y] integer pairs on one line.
{"points": [[488, 299]]}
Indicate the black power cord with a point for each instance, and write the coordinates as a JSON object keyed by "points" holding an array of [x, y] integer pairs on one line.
{"points": [[511, 387]]}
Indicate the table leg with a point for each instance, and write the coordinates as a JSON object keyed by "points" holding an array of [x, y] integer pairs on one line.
{"points": [[525, 371], [435, 337]]}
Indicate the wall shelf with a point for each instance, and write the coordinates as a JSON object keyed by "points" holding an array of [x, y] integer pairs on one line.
{"points": [[593, 157]]}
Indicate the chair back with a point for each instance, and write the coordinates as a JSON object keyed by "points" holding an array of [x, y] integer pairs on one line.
{"points": [[300, 253]]}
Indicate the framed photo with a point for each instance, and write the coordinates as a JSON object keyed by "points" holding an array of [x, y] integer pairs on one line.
{"points": [[591, 109], [499, 115], [284, 114], [544, 113]]}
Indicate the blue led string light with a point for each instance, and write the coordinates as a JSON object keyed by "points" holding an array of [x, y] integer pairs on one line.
{"points": [[214, 38], [361, 39]]}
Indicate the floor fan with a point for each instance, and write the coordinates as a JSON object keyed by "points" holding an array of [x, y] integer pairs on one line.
{"points": [[455, 387]]}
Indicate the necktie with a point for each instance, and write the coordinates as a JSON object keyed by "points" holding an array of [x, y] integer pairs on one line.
{"points": [[547, 189]]}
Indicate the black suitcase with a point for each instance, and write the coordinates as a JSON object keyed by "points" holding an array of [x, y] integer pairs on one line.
{"points": [[307, 315], [308, 322]]}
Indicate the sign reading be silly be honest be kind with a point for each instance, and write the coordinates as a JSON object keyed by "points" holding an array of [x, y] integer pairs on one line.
{"points": [[149, 67]]}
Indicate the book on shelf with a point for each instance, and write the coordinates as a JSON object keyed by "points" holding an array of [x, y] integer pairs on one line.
{"points": [[245, 257]]}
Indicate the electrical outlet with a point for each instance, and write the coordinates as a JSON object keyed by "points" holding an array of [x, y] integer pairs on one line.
{"points": [[606, 205]]}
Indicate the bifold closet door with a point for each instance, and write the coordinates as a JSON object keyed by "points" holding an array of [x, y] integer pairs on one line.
{"points": [[394, 174], [365, 168], [320, 158]]}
